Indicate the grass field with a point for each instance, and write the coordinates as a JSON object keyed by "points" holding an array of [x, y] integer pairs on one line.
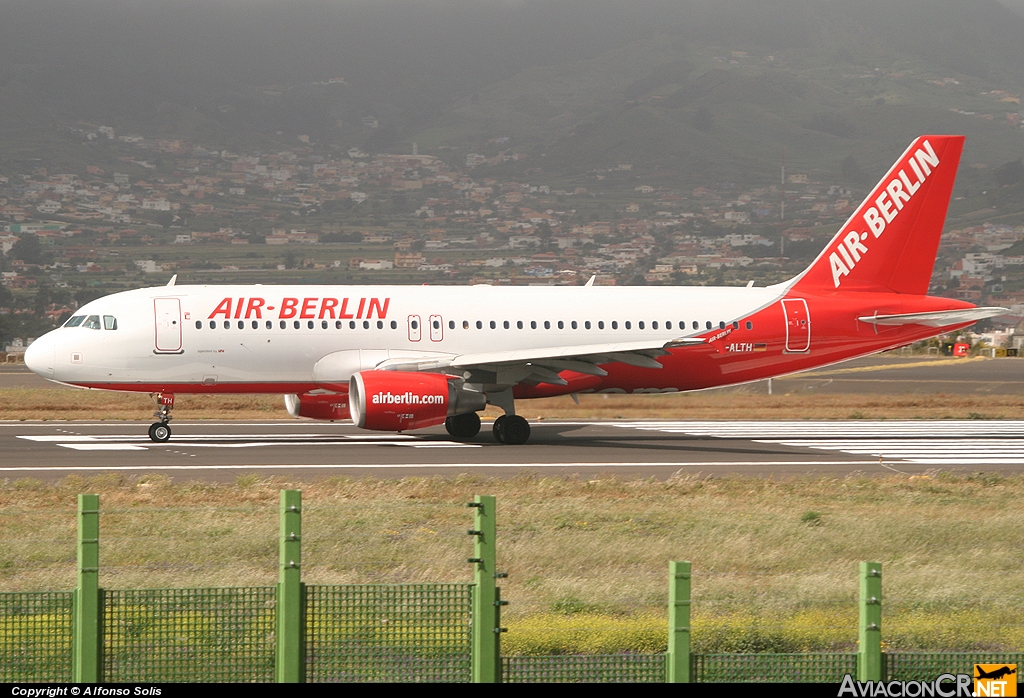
{"points": [[775, 563], [749, 402]]}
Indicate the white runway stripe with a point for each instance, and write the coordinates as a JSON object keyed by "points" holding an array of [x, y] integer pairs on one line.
{"points": [[926, 443]]}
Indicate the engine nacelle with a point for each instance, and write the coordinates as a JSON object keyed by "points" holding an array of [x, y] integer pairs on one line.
{"points": [[398, 401], [331, 406]]}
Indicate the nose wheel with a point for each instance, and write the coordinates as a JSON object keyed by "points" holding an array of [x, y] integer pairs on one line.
{"points": [[160, 432]]}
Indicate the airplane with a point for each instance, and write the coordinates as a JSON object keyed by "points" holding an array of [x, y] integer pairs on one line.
{"points": [[397, 358]]}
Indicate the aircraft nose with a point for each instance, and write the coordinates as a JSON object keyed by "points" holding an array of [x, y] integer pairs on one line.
{"points": [[39, 356]]}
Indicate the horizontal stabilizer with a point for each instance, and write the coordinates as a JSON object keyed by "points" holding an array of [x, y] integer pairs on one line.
{"points": [[938, 318]]}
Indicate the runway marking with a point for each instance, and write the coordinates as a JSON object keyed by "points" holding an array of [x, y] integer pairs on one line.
{"points": [[126, 442], [926, 443], [103, 447], [710, 465]]}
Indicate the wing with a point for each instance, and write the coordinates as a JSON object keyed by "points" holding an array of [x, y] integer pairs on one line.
{"points": [[543, 364], [939, 318]]}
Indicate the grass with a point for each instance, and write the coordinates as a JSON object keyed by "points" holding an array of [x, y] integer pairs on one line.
{"points": [[747, 402], [775, 562]]}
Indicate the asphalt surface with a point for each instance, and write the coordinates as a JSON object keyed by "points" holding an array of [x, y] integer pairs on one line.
{"points": [[221, 451], [304, 450]]}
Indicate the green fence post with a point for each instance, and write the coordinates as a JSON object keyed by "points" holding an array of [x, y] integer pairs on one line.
{"points": [[290, 664], [678, 664], [87, 639], [486, 631], [869, 655]]}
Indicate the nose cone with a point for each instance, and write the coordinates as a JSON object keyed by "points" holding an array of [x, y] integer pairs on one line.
{"points": [[39, 356]]}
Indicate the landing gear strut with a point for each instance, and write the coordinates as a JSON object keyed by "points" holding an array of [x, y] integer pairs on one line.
{"points": [[161, 431], [463, 426]]}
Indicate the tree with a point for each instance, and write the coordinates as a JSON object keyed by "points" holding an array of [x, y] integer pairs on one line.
{"points": [[29, 250], [1010, 173]]}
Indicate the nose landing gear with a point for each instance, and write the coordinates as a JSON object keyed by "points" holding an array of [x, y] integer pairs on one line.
{"points": [[161, 431]]}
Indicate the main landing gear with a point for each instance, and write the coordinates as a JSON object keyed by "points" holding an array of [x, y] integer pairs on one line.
{"points": [[463, 426], [511, 429], [508, 428], [161, 431]]}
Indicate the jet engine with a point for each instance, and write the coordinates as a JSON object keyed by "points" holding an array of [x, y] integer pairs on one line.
{"points": [[398, 401], [330, 406]]}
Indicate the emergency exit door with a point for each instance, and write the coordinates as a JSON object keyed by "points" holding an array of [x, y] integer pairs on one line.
{"points": [[798, 325], [167, 317]]}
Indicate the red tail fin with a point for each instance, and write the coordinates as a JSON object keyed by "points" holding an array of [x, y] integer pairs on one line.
{"points": [[891, 240]]}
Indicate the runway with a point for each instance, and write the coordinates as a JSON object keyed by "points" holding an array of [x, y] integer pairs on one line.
{"points": [[304, 451]]}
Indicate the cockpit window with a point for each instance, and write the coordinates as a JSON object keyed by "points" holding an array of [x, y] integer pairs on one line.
{"points": [[109, 322], [92, 322], [75, 321]]}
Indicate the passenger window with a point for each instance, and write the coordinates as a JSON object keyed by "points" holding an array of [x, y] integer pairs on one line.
{"points": [[600, 324], [414, 324], [241, 324], [628, 326], [199, 324], [394, 325], [493, 325], [587, 324], [270, 325], [366, 324], [654, 325], [75, 321], [351, 324], [573, 324], [696, 325], [750, 325], [708, 324], [323, 324], [615, 324], [668, 324], [92, 322], [213, 324], [380, 324], [255, 325], [547, 324], [533, 324], [505, 324], [479, 325], [519, 324], [437, 324], [109, 322], [735, 325], [295, 324], [561, 325], [640, 324], [227, 324], [721, 324], [283, 324]]}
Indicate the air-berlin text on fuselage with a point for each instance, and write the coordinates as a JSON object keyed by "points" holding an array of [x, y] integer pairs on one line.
{"points": [[896, 194], [303, 308]]}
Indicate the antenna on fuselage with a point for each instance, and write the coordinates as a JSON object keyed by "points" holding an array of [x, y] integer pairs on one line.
{"points": [[173, 279]]}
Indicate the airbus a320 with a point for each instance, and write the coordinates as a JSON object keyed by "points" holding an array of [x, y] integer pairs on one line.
{"points": [[397, 358]]}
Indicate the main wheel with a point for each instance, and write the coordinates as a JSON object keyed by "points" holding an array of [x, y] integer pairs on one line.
{"points": [[463, 426], [159, 432], [515, 430], [496, 429]]}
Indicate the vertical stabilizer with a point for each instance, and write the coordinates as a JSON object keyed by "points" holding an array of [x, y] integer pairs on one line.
{"points": [[890, 242]]}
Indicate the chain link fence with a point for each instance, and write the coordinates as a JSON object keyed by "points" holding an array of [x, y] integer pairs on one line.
{"points": [[595, 668], [35, 636], [402, 632]]}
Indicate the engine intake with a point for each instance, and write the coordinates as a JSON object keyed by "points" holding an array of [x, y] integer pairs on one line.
{"points": [[331, 406], [398, 401]]}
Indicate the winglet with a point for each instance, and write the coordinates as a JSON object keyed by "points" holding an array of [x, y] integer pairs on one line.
{"points": [[173, 279], [590, 281]]}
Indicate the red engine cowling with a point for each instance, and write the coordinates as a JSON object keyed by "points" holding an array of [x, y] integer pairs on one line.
{"points": [[331, 406], [398, 401]]}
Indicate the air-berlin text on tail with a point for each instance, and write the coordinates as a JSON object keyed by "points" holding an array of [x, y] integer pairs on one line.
{"points": [[303, 308], [890, 200]]}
